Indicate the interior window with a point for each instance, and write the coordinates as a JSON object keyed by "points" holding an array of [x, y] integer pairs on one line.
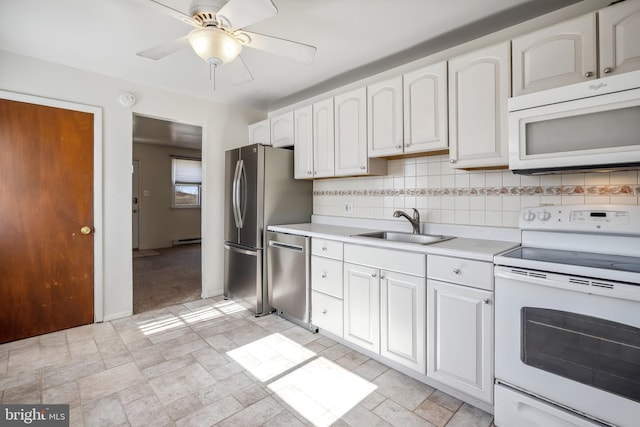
{"points": [[187, 182]]}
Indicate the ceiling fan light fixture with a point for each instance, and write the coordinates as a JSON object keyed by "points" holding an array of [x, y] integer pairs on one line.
{"points": [[214, 45]]}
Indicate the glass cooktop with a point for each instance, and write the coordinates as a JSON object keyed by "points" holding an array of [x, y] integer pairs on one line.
{"points": [[581, 259]]}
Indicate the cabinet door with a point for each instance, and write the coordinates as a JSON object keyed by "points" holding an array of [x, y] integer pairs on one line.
{"points": [[282, 130], [351, 133], [619, 38], [384, 114], [460, 338], [402, 319], [362, 306], [323, 139], [555, 56], [303, 143], [479, 85], [425, 109], [260, 132], [326, 312]]}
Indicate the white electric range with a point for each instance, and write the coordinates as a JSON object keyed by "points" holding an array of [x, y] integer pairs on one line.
{"points": [[567, 316]]}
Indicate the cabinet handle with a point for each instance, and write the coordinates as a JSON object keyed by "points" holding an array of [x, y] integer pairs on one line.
{"points": [[362, 167], [486, 301], [588, 74], [452, 160], [324, 311], [456, 271], [324, 275], [374, 275], [607, 70], [382, 276], [398, 146], [408, 144], [324, 248]]}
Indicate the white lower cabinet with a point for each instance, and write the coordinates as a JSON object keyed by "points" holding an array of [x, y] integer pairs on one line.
{"points": [[326, 312], [384, 306], [402, 314], [362, 306], [460, 338]]}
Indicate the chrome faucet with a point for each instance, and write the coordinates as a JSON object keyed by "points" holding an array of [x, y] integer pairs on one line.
{"points": [[415, 221]]}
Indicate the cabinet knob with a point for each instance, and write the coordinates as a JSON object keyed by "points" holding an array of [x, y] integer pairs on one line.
{"points": [[398, 146], [324, 275], [408, 144], [324, 311], [486, 301], [607, 70], [324, 248], [374, 275], [588, 74], [362, 167], [456, 271], [452, 160], [382, 276]]}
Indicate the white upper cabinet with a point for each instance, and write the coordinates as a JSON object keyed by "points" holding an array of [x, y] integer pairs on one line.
{"points": [[555, 56], [351, 133], [479, 86], [303, 142], [384, 113], [282, 130], [619, 38], [323, 139], [425, 109], [260, 132]]}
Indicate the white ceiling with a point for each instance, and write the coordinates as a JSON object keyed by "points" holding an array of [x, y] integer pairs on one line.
{"points": [[351, 37]]}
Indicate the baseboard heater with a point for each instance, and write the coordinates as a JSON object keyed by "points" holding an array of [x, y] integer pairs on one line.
{"points": [[186, 241]]}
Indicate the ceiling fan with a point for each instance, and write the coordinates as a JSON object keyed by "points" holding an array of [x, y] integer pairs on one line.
{"points": [[218, 36]]}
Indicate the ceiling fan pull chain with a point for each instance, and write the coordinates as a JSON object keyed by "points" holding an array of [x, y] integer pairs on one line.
{"points": [[213, 66]]}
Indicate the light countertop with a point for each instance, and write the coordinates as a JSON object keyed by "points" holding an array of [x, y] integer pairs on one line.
{"points": [[462, 247]]}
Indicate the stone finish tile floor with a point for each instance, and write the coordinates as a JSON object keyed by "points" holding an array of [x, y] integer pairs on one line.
{"points": [[211, 363]]}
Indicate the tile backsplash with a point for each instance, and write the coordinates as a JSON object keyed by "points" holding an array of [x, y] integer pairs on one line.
{"points": [[451, 196]]}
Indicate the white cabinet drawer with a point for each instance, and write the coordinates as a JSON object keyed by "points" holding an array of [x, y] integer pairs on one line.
{"points": [[326, 275], [326, 248], [326, 312], [478, 274], [386, 259]]}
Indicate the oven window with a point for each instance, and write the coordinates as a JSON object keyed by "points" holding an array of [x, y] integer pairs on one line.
{"points": [[596, 352]]}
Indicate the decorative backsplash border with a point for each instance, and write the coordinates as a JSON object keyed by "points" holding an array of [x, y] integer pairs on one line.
{"points": [[562, 190]]}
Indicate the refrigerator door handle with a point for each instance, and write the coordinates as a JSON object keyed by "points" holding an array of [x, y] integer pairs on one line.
{"points": [[235, 195], [242, 193], [241, 251]]}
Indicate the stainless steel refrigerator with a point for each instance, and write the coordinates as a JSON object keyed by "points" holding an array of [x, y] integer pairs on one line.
{"points": [[259, 191]]}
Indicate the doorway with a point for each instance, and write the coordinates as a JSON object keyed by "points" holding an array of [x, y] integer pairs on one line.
{"points": [[166, 213]]}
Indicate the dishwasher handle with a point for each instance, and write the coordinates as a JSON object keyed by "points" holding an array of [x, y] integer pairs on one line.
{"points": [[286, 246]]}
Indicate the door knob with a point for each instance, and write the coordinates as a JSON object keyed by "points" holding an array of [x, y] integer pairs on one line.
{"points": [[86, 230]]}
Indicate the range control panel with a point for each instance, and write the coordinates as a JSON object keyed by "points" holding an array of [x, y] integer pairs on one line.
{"points": [[610, 219]]}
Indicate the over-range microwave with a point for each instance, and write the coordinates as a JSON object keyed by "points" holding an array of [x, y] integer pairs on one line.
{"points": [[586, 126]]}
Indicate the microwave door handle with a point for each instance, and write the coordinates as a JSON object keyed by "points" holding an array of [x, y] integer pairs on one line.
{"points": [[234, 195], [242, 194]]}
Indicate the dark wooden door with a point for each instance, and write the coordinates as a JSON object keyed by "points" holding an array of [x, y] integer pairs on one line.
{"points": [[46, 197]]}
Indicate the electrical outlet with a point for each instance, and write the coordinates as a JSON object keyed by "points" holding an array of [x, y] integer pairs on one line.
{"points": [[348, 208], [146, 193]]}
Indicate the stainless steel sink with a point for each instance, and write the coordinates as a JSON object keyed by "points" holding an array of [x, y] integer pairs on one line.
{"points": [[393, 236]]}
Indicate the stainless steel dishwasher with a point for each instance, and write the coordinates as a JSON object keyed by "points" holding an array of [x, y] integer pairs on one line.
{"points": [[288, 276]]}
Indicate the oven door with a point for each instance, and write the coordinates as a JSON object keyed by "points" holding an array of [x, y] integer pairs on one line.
{"points": [[560, 342]]}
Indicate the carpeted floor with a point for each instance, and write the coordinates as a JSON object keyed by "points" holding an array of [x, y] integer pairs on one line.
{"points": [[172, 276]]}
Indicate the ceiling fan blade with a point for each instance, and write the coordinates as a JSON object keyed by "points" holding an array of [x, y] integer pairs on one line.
{"points": [[240, 74], [174, 13], [286, 48], [165, 49], [238, 14]]}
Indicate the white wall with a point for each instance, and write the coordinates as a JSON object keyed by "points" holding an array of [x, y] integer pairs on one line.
{"points": [[224, 127]]}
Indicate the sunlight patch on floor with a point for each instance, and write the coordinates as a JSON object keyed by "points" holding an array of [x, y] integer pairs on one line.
{"points": [[173, 321], [270, 356], [315, 387]]}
